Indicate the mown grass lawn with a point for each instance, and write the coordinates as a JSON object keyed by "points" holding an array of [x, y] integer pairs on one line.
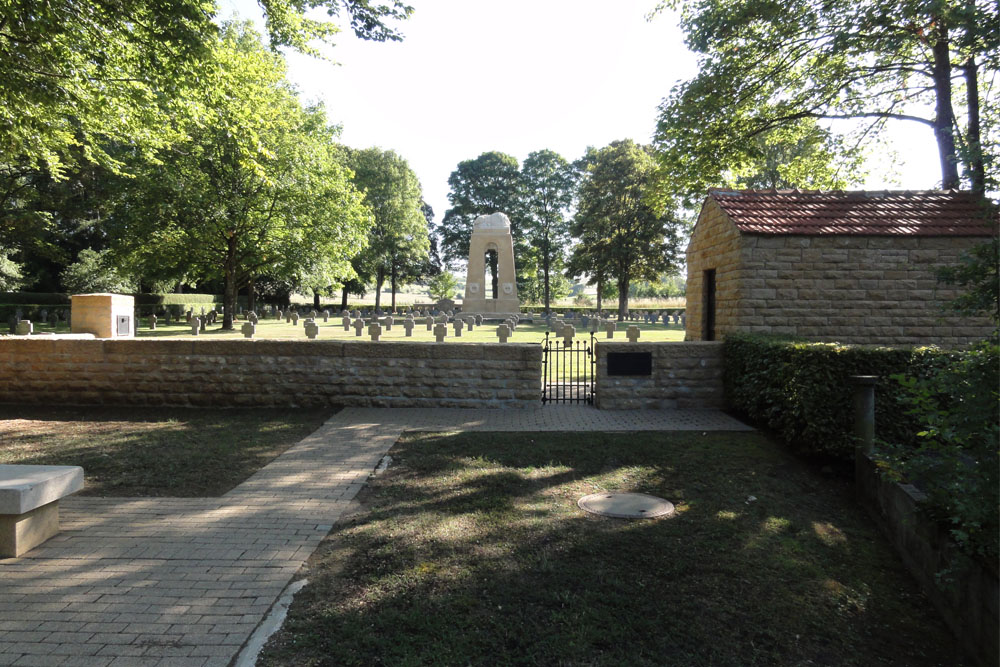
{"points": [[470, 550], [334, 330], [152, 451]]}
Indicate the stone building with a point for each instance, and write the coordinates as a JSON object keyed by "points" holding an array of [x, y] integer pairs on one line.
{"points": [[852, 267]]}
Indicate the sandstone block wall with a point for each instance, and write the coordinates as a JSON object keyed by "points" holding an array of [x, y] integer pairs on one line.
{"points": [[854, 289], [269, 373], [851, 289], [715, 244], [685, 375]]}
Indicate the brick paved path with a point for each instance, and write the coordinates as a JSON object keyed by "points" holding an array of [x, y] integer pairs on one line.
{"points": [[184, 581]]}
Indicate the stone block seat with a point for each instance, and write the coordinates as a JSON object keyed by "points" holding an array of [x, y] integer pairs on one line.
{"points": [[29, 504]]}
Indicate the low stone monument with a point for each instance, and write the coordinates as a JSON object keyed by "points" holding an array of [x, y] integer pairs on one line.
{"points": [[249, 329], [440, 331], [408, 326], [359, 326], [388, 323], [103, 315], [632, 333], [567, 334], [375, 330], [346, 321], [430, 322], [610, 327], [24, 328], [503, 332], [459, 325]]}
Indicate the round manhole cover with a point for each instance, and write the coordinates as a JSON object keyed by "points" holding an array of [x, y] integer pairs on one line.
{"points": [[626, 505]]}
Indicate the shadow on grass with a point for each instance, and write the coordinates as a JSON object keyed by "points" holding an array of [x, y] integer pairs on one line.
{"points": [[471, 550], [153, 451]]}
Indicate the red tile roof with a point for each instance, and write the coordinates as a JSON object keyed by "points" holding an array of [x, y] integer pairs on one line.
{"points": [[814, 212]]}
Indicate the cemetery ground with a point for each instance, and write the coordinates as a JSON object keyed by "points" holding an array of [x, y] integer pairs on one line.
{"points": [[470, 549], [173, 452], [272, 329]]}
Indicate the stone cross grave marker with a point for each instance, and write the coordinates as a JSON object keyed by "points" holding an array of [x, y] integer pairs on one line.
{"points": [[248, 329], [388, 323], [471, 323], [204, 322], [458, 324], [195, 325], [152, 321], [312, 329], [595, 324], [346, 321], [479, 320], [610, 327], [375, 330], [567, 333], [24, 328], [313, 315], [429, 321], [503, 333], [326, 315], [295, 317], [288, 316], [359, 326], [440, 331], [408, 326], [632, 333], [252, 318]]}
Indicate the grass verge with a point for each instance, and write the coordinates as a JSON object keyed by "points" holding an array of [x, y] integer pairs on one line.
{"points": [[153, 452], [471, 550]]}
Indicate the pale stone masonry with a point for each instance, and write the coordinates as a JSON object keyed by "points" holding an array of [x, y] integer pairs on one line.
{"points": [[684, 375], [817, 266], [268, 373], [103, 315]]}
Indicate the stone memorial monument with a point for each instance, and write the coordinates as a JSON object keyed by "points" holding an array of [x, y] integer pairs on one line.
{"points": [[491, 233]]}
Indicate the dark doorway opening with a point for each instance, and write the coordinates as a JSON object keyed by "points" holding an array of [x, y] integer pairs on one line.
{"points": [[708, 305]]}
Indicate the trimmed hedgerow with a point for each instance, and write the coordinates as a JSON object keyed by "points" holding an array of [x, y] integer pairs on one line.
{"points": [[803, 391], [34, 298]]}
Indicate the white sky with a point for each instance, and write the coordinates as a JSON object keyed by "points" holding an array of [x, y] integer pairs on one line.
{"points": [[517, 76]]}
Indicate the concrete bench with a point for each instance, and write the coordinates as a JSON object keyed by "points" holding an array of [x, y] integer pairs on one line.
{"points": [[29, 504]]}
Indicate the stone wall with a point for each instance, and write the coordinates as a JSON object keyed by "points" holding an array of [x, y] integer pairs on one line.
{"points": [[854, 289], [268, 373], [715, 244], [969, 604], [685, 375], [850, 289]]}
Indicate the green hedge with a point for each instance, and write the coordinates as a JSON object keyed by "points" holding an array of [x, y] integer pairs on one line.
{"points": [[803, 392], [34, 298]]}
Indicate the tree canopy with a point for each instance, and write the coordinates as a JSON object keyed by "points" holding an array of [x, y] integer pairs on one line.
{"points": [[549, 186], [624, 235], [257, 188], [769, 66], [398, 242]]}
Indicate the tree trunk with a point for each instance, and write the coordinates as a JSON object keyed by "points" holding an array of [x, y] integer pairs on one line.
{"points": [[393, 284], [251, 295], [622, 298], [343, 299], [545, 270], [600, 288], [977, 166], [944, 114], [229, 291], [379, 281], [316, 303]]}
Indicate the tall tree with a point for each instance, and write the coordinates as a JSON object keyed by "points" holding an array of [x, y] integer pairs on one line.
{"points": [[549, 185], [256, 190], [624, 235], [398, 241], [491, 183], [766, 66], [75, 74]]}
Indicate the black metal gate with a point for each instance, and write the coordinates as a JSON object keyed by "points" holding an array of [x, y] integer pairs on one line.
{"points": [[568, 370]]}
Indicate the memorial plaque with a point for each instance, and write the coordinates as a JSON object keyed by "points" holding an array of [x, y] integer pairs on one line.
{"points": [[630, 363]]}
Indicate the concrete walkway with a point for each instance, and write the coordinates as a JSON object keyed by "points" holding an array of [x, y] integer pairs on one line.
{"points": [[184, 581]]}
